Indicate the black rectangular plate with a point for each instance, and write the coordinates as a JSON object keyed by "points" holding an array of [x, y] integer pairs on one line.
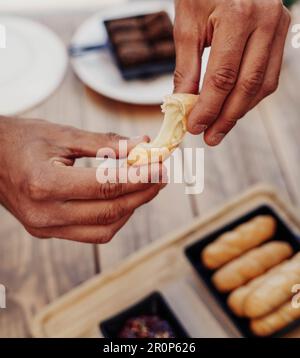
{"points": [[144, 71], [193, 253], [152, 304]]}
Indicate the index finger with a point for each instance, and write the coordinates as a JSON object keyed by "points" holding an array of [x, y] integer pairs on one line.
{"points": [[69, 183], [228, 44]]}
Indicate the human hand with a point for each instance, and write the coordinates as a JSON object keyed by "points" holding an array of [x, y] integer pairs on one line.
{"points": [[52, 198], [247, 40]]}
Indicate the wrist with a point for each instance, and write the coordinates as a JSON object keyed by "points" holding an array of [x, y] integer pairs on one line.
{"points": [[2, 159], [3, 124], [4, 132]]}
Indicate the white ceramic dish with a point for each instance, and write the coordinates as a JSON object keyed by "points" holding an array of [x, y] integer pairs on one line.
{"points": [[98, 71], [32, 65]]}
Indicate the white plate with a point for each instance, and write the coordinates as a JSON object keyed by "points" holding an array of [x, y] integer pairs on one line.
{"points": [[98, 71], [32, 65]]}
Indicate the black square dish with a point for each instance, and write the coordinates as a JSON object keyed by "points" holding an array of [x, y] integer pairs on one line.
{"points": [[142, 45], [193, 253], [154, 304]]}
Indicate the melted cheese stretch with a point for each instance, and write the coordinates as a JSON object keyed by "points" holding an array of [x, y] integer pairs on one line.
{"points": [[176, 108]]}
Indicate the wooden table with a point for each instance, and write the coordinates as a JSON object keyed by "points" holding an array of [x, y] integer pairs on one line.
{"points": [[263, 147]]}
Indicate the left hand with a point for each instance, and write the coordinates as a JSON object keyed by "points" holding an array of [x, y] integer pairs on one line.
{"points": [[247, 40], [51, 197]]}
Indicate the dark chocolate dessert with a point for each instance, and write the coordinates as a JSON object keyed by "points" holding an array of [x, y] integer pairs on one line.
{"points": [[143, 45]]}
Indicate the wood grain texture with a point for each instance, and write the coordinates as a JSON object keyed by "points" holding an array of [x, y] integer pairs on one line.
{"points": [[34, 271], [167, 270], [244, 158], [263, 147], [281, 114]]}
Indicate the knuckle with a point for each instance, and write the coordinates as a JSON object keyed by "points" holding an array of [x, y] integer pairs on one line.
{"points": [[113, 144], [251, 85], [241, 9], [37, 186], [32, 217], [274, 8], [236, 114], [224, 79], [229, 123], [112, 213], [182, 33], [269, 26], [270, 87], [180, 78], [117, 190], [39, 234], [113, 137], [104, 238], [287, 16], [110, 190], [208, 114]]}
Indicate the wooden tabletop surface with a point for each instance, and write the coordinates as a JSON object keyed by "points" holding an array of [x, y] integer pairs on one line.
{"points": [[264, 147]]}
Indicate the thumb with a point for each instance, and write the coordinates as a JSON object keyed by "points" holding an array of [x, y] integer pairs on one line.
{"points": [[87, 144]]}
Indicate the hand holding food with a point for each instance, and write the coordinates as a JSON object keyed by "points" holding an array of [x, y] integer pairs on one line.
{"points": [[51, 197], [250, 265], [176, 108], [245, 60], [234, 243]]}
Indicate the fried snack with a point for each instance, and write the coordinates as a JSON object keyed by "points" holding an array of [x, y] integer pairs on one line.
{"points": [[250, 265], [237, 297], [275, 321], [234, 243], [176, 108], [274, 291]]}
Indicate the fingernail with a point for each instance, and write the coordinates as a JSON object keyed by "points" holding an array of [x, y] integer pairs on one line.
{"points": [[199, 128], [217, 138], [202, 127], [58, 163], [140, 138], [137, 139]]}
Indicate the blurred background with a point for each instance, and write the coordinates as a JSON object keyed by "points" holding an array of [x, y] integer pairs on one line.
{"points": [[263, 148], [35, 5]]}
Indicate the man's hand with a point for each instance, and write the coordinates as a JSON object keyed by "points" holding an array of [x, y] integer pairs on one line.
{"points": [[247, 41], [51, 197]]}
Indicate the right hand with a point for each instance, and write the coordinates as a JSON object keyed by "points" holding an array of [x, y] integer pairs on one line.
{"points": [[247, 39], [40, 186]]}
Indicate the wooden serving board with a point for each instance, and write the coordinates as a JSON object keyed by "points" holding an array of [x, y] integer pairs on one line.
{"points": [[162, 267]]}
